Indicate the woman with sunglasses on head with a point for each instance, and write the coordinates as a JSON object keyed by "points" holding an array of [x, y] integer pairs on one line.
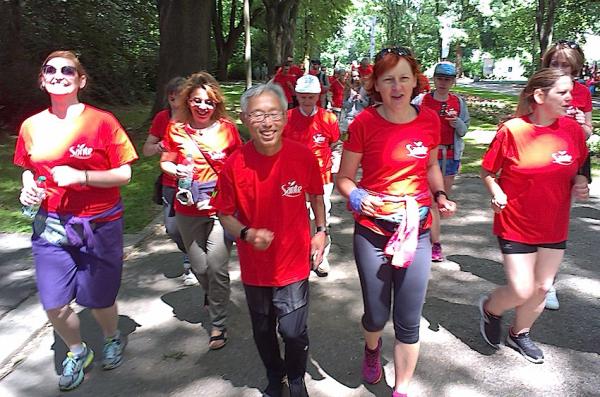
{"points": [[198, 142], [531, 170], [154, 145], [77, 243], [568, 57], [396, 145]]}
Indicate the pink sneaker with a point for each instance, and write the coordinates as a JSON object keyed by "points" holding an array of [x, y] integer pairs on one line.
{"points": [[372, 371], [398, 394], [436, 252]]}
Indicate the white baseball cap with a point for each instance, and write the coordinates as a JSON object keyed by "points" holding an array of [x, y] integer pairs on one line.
{"points": [[308, 84]]}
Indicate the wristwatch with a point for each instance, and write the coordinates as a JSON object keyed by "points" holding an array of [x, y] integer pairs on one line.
{"points": [[244, 233], [439, 193], [322, 229]]}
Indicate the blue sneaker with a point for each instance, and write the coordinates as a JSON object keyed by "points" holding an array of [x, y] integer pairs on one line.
{"points": [[113, 352], [73, 367]]}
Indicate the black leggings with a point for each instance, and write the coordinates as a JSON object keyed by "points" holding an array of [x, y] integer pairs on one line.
{"points": [[288, 307], [379, 279]]}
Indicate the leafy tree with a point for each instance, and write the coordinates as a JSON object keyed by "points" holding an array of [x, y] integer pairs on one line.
{"points": [[280, 21]]}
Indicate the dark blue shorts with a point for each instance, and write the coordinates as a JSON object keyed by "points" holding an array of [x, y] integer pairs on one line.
{"points": [[452, 167], [93, 278]]}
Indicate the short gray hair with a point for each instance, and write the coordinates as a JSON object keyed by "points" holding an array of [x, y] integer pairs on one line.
{"points": [[260, 89]]}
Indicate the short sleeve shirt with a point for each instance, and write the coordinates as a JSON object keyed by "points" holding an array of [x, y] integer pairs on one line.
{"points": [[582, 98], [270, 192], [158, 128], [451, 107], [394, 156], [209, 147], [284, 81], [93, 141], [317, 132], [536, 166]]}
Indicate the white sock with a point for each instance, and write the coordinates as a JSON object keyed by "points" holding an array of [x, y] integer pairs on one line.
{"points": [[77, 349]]}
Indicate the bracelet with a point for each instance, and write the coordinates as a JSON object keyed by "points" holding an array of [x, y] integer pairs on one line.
{"points": [[244, 233], [86, 178], [439, 193], [323, 229]]}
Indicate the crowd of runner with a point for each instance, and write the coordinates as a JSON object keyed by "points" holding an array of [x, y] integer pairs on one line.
{"points": [[271, 197]]}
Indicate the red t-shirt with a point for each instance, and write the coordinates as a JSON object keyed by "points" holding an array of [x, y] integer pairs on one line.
{"points": [[536, 165], [317, 132], [394, 156], [364, 72], [287, 82], [158, 128], [452, 107], [582, 97], [93, 141], [270, 192], [217, 143], [296, 71], [337, 92], [424, 83]]}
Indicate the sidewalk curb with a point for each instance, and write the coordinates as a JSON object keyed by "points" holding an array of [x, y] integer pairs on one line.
{"points": [[27, 321]]}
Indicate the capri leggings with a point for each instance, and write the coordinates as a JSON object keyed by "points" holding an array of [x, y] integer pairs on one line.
{"points": [[379, 280]]}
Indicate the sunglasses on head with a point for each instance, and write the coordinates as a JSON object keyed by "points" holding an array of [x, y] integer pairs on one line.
{"points": [[401, 51], [568, 43], [50, 70], [199, 101]]}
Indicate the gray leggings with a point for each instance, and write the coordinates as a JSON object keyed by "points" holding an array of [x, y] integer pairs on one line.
{"points": [[378, 280], [208, 250]]}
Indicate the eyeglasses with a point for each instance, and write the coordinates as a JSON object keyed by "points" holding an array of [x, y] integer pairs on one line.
{"points": [[567, 43], [259, 117], [199, 101], [69, 71], [401, 51]]}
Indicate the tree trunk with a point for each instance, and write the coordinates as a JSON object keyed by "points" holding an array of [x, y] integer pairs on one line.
{"points": [[544, 25], [281, 25], [184, 41], [459, 57]]}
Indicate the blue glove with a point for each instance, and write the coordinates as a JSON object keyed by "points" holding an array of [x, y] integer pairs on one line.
{"points": [[356, 198]]}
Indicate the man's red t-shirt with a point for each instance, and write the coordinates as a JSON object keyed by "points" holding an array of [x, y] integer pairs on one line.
{"points": [[269, 192], [394, 156], [287, 82], [317, 132], [209, 147], [337, 92], [537, 166], [158, 128], [451, 107], [582, 97], [93, 141]]}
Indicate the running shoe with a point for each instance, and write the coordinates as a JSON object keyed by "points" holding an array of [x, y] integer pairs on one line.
{"points": [[524, 345], [436, 252], [372, 371], [189, 279], [113, 352], [398, 394], [73, 366], [551, 299], [489, 325], [323, 269]]}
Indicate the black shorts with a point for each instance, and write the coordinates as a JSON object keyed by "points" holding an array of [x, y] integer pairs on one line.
{"points": [[515, 247]]}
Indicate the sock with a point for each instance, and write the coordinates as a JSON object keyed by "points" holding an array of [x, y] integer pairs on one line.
{"points": [[77, 349], [116, 335]]}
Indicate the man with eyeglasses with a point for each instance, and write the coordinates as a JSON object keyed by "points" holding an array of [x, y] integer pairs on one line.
{"points": [[318, 130], [263, 183]]}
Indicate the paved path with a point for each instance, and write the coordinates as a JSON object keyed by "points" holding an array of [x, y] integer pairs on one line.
{"points": [[167, 354]]}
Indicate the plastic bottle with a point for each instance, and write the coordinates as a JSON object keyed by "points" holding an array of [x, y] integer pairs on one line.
{"points": [[186, 182], [31, 210]]}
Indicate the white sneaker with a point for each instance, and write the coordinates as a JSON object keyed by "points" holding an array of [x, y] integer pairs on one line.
{"points": [[551, 299]]}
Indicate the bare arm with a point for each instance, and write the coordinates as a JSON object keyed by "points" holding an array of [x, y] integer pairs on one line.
{"points": [[319, 240], [152, 146], [435, 179], [260, 239], [65, 175], [499, 199], [346, 184]]}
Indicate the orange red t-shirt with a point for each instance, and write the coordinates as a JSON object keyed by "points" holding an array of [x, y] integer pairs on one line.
{"points": [[287, 82], [270, 192], [158, 128], [93, 141], [317, 132], [450, 107], [337, 92], [209, 147], [366, 71], [394, 156], [582, 98], [536, 166]]}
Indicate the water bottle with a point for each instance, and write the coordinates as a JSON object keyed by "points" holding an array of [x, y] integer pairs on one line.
{"points": [[31, 210], [186, 182]]}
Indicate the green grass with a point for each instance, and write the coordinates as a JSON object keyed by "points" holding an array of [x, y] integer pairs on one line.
{"points": [[486, 94]]}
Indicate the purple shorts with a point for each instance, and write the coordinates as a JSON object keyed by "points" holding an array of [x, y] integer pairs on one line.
{"points": [[91, 277]]}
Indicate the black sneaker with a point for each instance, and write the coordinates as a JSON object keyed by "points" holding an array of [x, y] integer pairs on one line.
{"points": [[275, 387], [297, 387], [524, 345], [490, 326]]}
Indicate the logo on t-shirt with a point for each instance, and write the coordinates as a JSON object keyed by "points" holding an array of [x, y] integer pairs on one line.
{"points": [[290, 189], [319, 138], [81, 151], [217, 155], [562, 157], [417, 150]]}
